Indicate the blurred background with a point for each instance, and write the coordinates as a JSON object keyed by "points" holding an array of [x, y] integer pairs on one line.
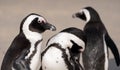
{"points": [[58, 13]]}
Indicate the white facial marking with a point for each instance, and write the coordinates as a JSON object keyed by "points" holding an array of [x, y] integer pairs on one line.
{"points": [[33, 36], [106, 54], [41, 19], [64, 38], [87, 14]]}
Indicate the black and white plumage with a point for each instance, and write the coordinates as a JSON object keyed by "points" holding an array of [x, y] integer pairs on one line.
{"points": [[95, 56], [63, 50], [25, 50]]}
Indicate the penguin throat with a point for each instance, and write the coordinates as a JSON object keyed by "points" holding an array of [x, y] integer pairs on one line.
{"points": [[32, 36]]}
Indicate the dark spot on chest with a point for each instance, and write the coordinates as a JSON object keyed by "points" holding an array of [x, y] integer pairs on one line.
{"points": [[57, 61]]}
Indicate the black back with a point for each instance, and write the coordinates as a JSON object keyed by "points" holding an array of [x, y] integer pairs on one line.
{"points": [[19, 44], [93, 56]]}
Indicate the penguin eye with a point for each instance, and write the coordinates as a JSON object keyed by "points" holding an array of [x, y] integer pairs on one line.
{"points": [[41, 21]]}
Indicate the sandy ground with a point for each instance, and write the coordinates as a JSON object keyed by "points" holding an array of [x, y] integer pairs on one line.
{"points": [[57, 12]]}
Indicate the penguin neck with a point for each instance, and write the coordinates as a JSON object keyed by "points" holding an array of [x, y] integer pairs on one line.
{"points": [[93, 18], [35, 48], [94, 21]]}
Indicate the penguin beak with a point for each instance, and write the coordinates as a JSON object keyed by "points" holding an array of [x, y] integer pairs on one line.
{"points": [[76, 15], [49, 26], [80, 15]]}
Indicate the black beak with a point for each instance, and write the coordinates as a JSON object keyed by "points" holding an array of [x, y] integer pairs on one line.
{"points": [[80, 15], [76, 15], [48, 26]]}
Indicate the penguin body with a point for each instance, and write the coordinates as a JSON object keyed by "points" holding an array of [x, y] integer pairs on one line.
{"points": [[24, 52], [63, 50], [95, 56]]}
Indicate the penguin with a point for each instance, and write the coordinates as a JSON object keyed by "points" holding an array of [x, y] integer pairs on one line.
{"points": [[95, 56], [63, 50], [25, 51]]}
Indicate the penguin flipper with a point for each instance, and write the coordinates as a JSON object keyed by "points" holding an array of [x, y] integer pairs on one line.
{"points": [[20, 63], [40, 68], [113, 48]]}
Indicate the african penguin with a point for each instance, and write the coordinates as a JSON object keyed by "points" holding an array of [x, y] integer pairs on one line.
{"points": [[63, 49], [25, 50], [95, 56]]}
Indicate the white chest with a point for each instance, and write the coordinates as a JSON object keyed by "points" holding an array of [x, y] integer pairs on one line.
{"points": [[36, 59], [53, 60]]}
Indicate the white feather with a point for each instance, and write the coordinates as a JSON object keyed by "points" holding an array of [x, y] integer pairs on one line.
{"points": [[106, 54], [87, 14], [36, 60]]}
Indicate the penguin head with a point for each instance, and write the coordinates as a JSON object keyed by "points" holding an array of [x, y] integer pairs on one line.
{"points": [[36, 23], [77, 38], [87, 14]]}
